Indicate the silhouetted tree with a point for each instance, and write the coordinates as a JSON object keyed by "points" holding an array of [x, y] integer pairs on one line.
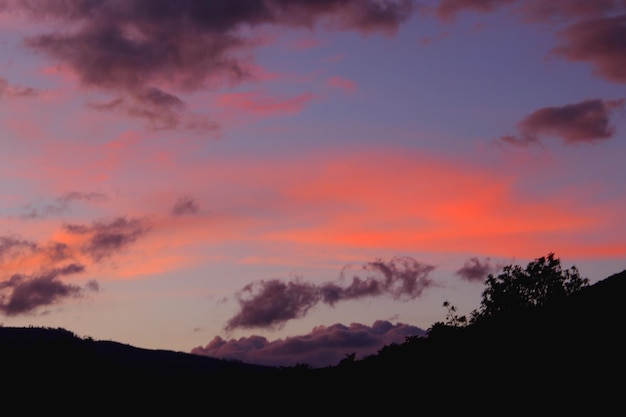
{"points": [[348, 360], [515, 289]]}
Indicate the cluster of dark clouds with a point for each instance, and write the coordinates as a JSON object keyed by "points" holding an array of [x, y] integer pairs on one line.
{"points": [[323, 346], [271, 303], [592, 32], [146, 51], [24, 293]]}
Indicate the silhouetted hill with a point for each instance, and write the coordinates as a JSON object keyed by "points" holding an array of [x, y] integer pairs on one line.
{"points": [[565, 357]]}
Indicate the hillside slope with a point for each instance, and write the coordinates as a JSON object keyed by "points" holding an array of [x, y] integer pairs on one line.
{"points": [[561, 358]]}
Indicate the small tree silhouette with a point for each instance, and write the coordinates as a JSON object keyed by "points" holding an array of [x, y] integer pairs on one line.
{"points": [[516, 289], [453, 319], [348, 360]]}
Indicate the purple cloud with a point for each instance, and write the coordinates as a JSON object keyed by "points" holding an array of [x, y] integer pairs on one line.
{"points": [[106, 239], [585, 122], [269, 304], [323, 346], [185, 205], [23, 294], [601, 42], [272, 303], [475, 270]]}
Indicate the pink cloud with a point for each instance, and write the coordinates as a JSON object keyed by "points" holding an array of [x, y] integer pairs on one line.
{"points": [[449, 9], [302, 44], [323, 346], [342, 84], [15, 91], [265, 105]]}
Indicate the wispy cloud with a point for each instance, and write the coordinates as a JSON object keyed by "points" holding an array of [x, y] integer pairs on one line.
{"points": [[185, 205], [107, 238], [323, 346], [271, 303], [61, 204], [263, 104], [13, 91], [341, 83], [476, 270]]}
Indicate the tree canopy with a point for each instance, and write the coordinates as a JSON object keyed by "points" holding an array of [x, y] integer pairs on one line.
{"points": [[515, 289]]}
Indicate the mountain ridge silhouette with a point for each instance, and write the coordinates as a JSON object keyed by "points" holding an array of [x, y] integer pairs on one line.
{"points": [[569, 353]]}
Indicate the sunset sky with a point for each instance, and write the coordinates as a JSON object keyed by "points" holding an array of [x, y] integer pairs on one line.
{"points": [[284, 181]]}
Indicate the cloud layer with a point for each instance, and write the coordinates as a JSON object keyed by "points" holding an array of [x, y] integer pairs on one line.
{"points": [[140, 49], [323, 346], [269, 304]]}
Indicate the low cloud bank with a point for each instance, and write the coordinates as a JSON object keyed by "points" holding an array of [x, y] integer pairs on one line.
{"points": [[323, 346]]}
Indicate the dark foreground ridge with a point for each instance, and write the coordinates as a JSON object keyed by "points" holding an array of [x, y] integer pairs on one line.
{"points": [[569, 356]]}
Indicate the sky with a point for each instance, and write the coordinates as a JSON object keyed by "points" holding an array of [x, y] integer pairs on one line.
{"points": [[286, 182]]}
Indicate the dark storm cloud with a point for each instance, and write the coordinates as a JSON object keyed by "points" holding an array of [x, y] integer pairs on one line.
{"points": [[21, 294], [105, 239], [601, 42], [185, 205], [323, 346], [584, 122], [269, 304], [133, 47], [475, 270]]}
